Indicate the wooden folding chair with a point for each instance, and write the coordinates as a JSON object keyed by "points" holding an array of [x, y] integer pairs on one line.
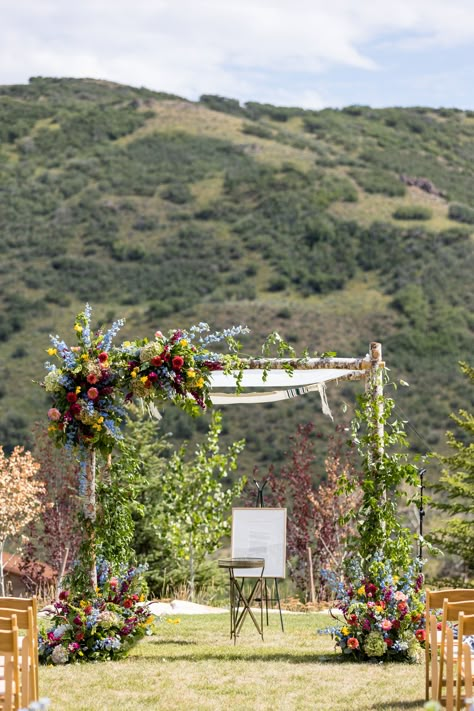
{"points": [[27, 649], [23, 603], [434, 601], [465, 658], [451, 612], [10, 691]]}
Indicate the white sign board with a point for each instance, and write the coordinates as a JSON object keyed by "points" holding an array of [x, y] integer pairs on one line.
{"points": [[260, 533]]}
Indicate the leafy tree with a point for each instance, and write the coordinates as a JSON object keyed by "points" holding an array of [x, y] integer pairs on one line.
{"points": [[20, 498], [456, 487], [185, 502], [195, 503]]}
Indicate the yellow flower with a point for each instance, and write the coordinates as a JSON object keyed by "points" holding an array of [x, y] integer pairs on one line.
{"points": [[144, 378], [126, 343], [345, 630], [52, 428], [191, 373], [361, 590], [85, 356], [149, 620], [83, 603], [142, 597], [133, 374], [100, 420], [78, 328], [183, 342], [52, 351], [200, 383], [78, 389], [378, 608], [396, 578]]}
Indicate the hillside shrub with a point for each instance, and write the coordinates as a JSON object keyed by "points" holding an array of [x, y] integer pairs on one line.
{"points": [[379, 181], [461, 213], [412, 212]]}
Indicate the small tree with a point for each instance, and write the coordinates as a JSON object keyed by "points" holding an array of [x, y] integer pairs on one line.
{"points": [[456, 487], [293, 487], [54, 537], [330, 507], [195, 503], [20, 497]]}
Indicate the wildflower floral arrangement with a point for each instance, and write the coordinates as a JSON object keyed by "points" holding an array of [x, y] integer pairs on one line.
{"points": [[383, 614], [91, 381], [102, 627]]}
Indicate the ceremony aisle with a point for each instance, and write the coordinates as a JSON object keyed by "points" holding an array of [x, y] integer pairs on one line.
{"points": [[192, 665]]}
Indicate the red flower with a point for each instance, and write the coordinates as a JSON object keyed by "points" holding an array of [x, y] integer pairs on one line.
{"points": [[156, 361], [78, 620], [389, 642], [79, 636], [402, 606], [370, 589], [396, 624], [92, 393], [152, 377], [71, 397], [177, 362], [352, 619], [88, 610], [103, 357], [420, 635], [416, 617], [353, 643], [64, 594], [128, 603], [92, 378], [75, 409]]}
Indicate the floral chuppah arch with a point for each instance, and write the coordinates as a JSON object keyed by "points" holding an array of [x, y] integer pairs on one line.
{"points": [[91, 382]]}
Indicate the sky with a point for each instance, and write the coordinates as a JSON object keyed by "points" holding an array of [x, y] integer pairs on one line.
{"points": [[307, 53]]}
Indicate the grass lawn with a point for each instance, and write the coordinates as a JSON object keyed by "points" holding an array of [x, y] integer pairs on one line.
{"points": [[194, 666]]}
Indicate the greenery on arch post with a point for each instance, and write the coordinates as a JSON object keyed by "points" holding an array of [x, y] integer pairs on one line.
{"points": [[386, 474]]}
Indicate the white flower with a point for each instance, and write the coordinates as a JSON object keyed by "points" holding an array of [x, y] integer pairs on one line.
{"points": [[60, 655]]}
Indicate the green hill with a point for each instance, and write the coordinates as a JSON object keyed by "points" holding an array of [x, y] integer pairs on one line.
{"points": [[335, 227]]}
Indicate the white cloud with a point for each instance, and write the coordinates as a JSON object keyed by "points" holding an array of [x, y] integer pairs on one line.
{"points": [[238, 49]]}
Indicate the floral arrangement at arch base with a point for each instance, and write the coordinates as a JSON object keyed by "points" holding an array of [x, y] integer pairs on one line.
{"points": [[97, 627], [383, 614]]}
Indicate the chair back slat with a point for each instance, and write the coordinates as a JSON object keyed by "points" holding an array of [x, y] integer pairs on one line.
{"points": [[452, 610], [435, 598], [24, 619], [11, 699]]}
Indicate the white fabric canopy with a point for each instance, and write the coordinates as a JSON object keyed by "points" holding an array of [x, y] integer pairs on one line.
{"points": [[277, 378], [299, 382]]}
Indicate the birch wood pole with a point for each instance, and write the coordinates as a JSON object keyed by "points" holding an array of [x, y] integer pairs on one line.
{"points": [[374, 388], [90, 514]]}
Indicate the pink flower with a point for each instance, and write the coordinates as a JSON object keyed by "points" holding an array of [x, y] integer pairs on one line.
{"points": [[54, 414], [399, 595], [158, 334], [92, 393], [386, 625], [92, 378], [353, 643]]}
